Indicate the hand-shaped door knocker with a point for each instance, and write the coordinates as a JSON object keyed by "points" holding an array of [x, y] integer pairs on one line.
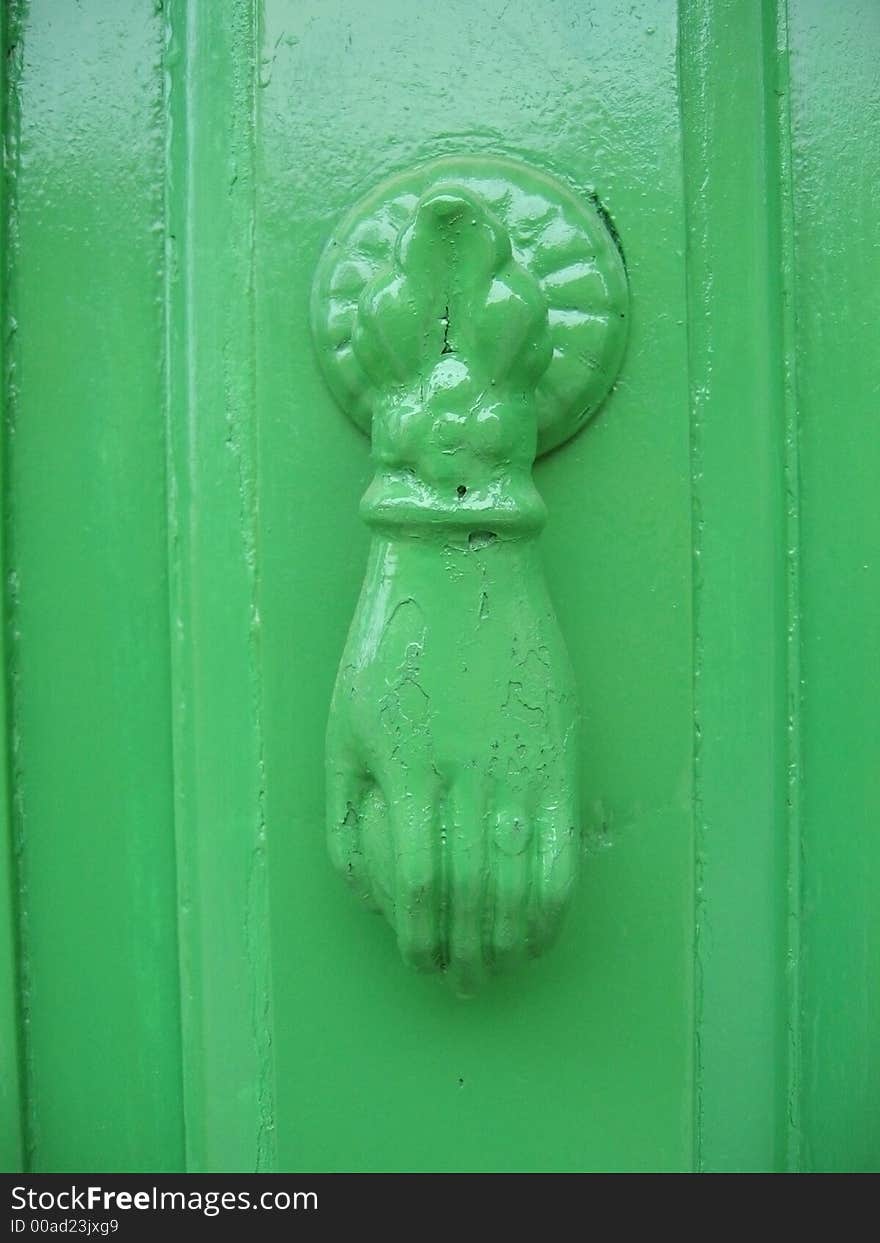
{"points": [[470, 314]]}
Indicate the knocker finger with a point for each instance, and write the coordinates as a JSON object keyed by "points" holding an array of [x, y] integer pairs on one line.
{"points": [[512, 852], [415, 835], [467, 881]]}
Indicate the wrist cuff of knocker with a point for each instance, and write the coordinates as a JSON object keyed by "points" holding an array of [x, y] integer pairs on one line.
{"points": [[508, 506]]}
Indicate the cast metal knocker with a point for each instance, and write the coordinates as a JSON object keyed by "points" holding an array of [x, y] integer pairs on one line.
{"points": [[470, 314]]}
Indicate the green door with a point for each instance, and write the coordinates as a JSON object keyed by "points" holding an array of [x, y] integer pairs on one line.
{"points": [[186, 982]]}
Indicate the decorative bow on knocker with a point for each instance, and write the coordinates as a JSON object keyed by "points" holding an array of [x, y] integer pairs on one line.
{"points": [[470, 314]]}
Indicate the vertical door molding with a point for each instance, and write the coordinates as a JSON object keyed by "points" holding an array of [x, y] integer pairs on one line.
{"points": [[86, 576], [835, 116], [13, 1140], [211, 73], [745, 586]]}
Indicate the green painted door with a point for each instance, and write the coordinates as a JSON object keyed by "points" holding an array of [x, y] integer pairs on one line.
{"points": [[185, 982]]}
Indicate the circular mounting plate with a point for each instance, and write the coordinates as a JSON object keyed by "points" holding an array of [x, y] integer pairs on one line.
{"points": [[559, 237]]}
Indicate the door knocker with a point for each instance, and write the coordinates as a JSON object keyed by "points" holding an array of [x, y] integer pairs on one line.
{"points": [[469, 314]]}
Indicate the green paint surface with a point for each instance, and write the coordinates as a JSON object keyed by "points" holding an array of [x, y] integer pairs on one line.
{"points": [[11, 1113], [185, 982], [550, 1067], [86, 582], [836, 167], [737, 282]]}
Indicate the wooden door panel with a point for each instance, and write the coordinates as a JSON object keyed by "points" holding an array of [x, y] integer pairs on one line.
{"points": [[186, 982]]}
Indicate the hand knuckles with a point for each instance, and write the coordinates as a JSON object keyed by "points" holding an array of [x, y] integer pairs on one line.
{"points": [[417, 943], [513, 834], [506, 941], [415, 882]]}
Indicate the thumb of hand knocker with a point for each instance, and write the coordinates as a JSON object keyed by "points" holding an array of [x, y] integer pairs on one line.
{"points": [[469, 314]]}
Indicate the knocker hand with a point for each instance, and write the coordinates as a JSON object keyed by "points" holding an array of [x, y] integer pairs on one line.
{"points": [[451, 755], [470, 315]]}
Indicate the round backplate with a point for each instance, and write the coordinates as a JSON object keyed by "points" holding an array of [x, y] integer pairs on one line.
{"points": [[558, 236]]}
